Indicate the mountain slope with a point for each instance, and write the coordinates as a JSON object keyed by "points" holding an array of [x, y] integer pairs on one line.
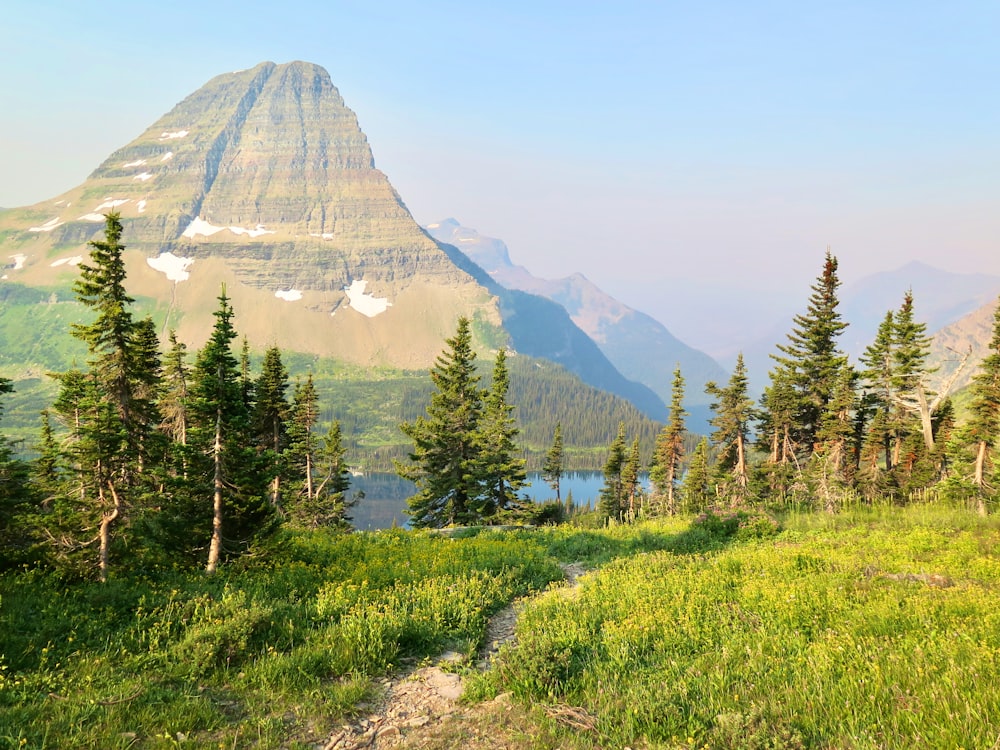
{"points": [[262, 180], [636, 344]]}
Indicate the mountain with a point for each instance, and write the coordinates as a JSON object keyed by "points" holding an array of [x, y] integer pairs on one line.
{"points": [[940, 298], [262, 180], [970, 334], [641, 348]]}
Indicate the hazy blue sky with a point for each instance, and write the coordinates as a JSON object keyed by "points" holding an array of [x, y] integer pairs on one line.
{"points": [[650, 145]]}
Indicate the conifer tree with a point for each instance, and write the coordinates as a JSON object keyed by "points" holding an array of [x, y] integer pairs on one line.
{"points": [[502, 472], [269, 418], [446, 443], [669, 450], [331, 502], [733, 411], [300, 456], [696, 490], [631, 491], [220, 431], [175, 400], [552, 467], [115, 412], [811, 360], [14, 495], [609, 505], [984, 423]]}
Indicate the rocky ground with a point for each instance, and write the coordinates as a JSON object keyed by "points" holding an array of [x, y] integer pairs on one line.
{"points": [[419, 707]]}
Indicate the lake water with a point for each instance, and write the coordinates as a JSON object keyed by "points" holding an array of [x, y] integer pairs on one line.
{"points": [[385, 495]]}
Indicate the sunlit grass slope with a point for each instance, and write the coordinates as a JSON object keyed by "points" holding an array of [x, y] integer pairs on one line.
{"points": [[873, 630]]}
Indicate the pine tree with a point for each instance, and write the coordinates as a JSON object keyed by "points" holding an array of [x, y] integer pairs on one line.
{"points": [[811, 359], [270, 414], [446, 443], [631, 491], [984, 423], [174, 404], [552, 468], [669, 450], [116, 413], [300, 455], [220, 431], [331, 502], [609, 505], [696, 491], [501, 471], [14, 496], [733, 412]]}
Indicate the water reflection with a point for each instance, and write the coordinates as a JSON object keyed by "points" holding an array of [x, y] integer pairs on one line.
{"points": [[384, 503]]}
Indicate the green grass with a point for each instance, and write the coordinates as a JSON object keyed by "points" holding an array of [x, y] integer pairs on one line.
{"points": [[878, 629], [258, 656]]}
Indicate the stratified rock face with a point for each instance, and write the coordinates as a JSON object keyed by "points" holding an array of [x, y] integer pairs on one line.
{"points": [[637, 345], [261, 179]]}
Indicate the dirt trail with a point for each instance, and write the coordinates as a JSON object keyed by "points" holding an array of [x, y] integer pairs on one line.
{"points": [[416, 701]]}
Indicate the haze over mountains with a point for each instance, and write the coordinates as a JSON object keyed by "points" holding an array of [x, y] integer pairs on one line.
{"points": [[640, 347], [263, 180]]}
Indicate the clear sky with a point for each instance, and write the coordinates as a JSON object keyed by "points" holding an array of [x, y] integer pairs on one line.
{"points": [[652, 146]]}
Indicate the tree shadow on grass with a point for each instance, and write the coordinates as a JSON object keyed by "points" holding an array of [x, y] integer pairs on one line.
{"points": [[707, 533]]}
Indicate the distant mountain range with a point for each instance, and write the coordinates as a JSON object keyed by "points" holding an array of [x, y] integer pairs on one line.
{"points": [[951, 305], [640, 347]]}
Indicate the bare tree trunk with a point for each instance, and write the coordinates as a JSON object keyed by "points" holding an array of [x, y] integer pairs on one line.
{"points": [[105, 533], [926, 425], [215, 547], [979, 478], [740, 470], [309, 477]]}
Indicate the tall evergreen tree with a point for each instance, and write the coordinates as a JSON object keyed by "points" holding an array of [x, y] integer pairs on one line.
{"points": [[116, 410], [300, 455], [270, 416], [446, 444], [220, 432], [631, 489], [669, 450], [14, 495], [501, 470], [552, 467], [984, 423], [609, 505], [811, 358], [733, 411]]}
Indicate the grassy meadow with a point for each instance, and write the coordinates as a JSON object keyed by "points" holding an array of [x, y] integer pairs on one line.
{"points": [[874, 628]]}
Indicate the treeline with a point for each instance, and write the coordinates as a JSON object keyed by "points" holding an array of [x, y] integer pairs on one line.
{"points": [[825, 432], [171, 460]]}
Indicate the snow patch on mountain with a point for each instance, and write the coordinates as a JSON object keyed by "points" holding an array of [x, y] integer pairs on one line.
{"points": [[136, 163], [167, 156], [366, 304], [141, 206], [292, 295], [173, 135], [47, 226], [74, 260], [173, 266], [18, 260], [251, 232], [92, 217], [143, 176], [200, 226], [112, 204]]}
